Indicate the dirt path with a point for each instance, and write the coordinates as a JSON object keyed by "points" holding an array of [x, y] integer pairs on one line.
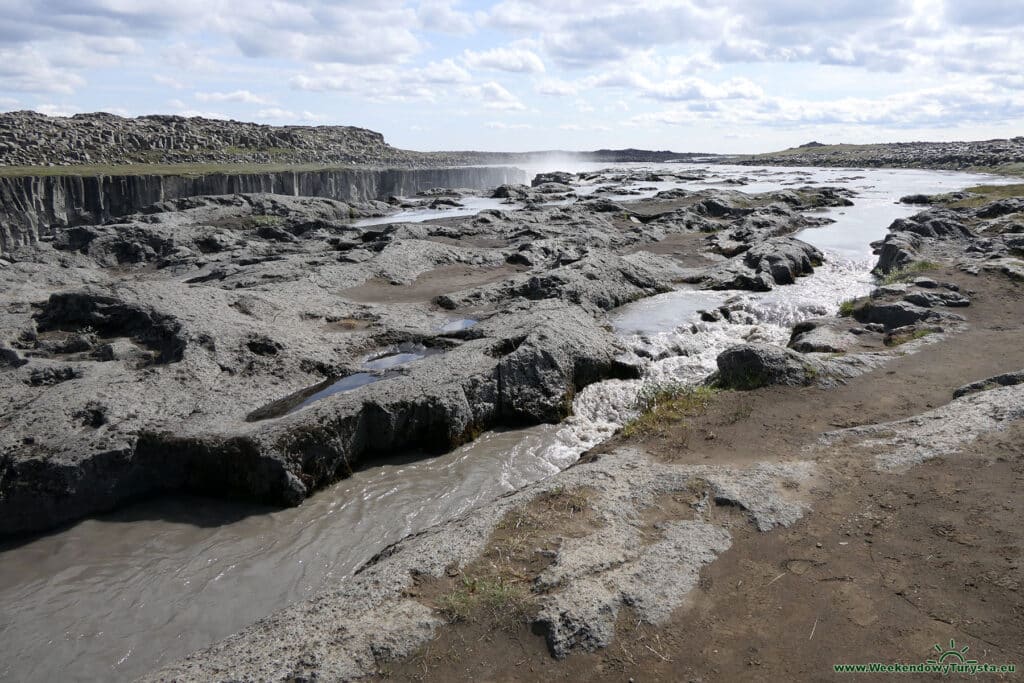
{"points": [[883, 567]]}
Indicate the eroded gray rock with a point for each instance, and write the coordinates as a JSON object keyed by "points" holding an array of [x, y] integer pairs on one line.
{"points": [[749, 366]]}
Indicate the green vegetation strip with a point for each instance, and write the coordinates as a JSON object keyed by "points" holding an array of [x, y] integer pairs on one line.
{"points": [[908, 272], [668, 404], [988, 193]]}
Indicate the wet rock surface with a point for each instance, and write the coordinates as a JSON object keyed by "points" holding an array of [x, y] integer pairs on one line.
{"points": [[142, 350]]}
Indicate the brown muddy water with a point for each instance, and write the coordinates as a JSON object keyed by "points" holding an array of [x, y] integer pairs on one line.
{"points": [[112, 597]]}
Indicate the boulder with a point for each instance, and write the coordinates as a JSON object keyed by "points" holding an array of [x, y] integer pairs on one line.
{"points": [[785, 258], [896, 251], [749, 366], [892, 314], [1000, 208], [916, 199], [559, 177], [519, 192], [935, 223], [822, 340]]}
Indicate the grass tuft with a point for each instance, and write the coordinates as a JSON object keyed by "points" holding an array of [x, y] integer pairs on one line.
{"points": [[900, 339], [495, 598], [908, 272], [565, 501], [667, 404], [847, 307]]}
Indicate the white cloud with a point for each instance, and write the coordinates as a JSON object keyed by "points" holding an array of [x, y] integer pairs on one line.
{"points": [[445, 71], [287, 116], [243, 96], [168, 82], [384, 83], [189, 113], [737, 65], [354, 32], [505, 59], [57, 109], [440, 16], [187, 57], [28, 69], [557, 87], [699, 89], [493, 95], [952, 105], [501, 125]]}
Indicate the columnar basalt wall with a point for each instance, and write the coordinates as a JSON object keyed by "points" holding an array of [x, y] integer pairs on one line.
{"points": [[36, 206]]}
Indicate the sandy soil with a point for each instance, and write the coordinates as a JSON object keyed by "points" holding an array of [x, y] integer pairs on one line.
{"points": [[884, 567]]}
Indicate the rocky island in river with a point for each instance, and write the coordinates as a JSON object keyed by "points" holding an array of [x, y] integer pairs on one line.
{"points": [[754, 388]]}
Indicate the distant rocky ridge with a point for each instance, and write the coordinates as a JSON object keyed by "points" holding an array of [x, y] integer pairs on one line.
{"points": [[28, 138], [100, 139], [983, 154], [31, 139], [611, 156]]}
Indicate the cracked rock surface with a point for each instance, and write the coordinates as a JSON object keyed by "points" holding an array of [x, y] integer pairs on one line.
{"points": [[263, 346]]}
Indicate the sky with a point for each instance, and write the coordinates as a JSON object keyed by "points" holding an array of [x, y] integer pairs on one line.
{"points": [[519, 75]]}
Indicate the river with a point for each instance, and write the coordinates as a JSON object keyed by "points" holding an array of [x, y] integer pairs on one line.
{"points": [[114, 596]]}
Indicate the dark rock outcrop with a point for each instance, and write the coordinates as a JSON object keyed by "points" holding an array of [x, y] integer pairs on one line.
{"points": [[34, 207], [1007, 379], [749, 366], [820, 336], [892, 314]]}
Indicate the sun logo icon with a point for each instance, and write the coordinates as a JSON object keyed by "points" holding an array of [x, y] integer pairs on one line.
{"points": [[952, 652]]}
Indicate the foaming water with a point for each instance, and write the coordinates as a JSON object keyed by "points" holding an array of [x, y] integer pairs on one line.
{"points": [[115, 596]]}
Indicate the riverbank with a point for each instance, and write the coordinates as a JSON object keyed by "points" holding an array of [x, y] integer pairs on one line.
{"points": [[883, 563]]}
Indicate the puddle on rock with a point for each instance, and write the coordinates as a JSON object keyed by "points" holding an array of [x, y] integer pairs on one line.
{"points": [[458, 325], [375, 367], [399, 355]]}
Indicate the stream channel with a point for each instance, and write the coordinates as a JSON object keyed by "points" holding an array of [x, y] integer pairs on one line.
{"points": [[117, 595]]}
